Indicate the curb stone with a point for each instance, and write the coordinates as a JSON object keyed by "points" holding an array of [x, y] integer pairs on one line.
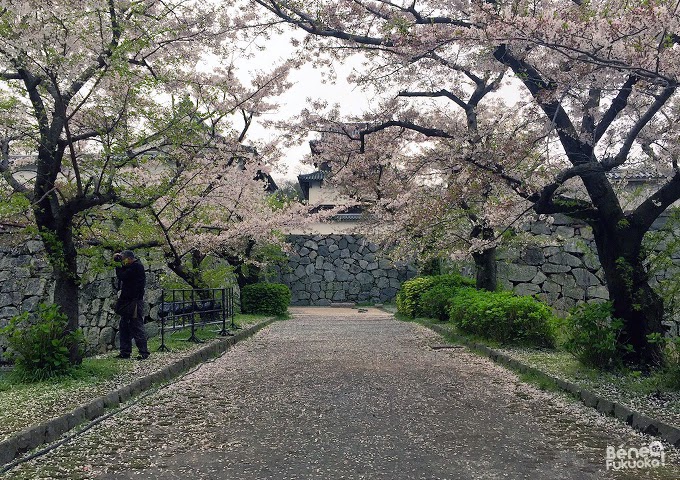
{"points": [[638, 421], [49, 431]]}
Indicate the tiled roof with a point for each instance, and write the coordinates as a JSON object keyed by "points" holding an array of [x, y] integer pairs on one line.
{"points": [[347, 217], [318, 175]]}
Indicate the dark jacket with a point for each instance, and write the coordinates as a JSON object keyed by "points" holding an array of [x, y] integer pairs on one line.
{"points": [[133, 281]]}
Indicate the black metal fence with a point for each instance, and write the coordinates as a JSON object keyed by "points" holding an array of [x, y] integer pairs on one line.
{"points": [[195, 308]]}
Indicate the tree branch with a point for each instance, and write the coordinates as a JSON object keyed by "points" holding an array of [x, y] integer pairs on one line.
{"points": [[618, 104]]}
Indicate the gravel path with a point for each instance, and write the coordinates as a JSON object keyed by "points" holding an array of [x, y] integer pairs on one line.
{"points": [[337, 393]]}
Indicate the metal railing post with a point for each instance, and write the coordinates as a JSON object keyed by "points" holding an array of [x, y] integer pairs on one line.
{"points": [[163, 347]]}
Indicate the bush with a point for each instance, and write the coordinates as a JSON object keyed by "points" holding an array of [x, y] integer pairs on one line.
{"points": [[671, 367], [409, 296], [39, 348], [592, 335], [435, 302], [265, 298], [503, 317]]}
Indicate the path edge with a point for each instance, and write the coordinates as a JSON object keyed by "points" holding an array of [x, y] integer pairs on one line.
{"points": [[642, 423], [51, 430]]}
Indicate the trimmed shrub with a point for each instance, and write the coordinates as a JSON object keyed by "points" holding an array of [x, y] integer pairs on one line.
{"points": [[435, 302], [39, 346], [409, 296], [265, 298], [503, 317], [592, 335]]}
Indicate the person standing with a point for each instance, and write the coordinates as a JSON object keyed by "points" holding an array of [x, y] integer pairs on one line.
{"points": [[132, 280]]}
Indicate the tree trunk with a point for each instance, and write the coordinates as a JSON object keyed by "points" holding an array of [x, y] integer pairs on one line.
{"points": [[485, 261], [62, 255], [634, 301], [485, 264]]}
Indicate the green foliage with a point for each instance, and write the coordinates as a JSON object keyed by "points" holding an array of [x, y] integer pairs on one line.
{"points": [[266, 298], [592, 335], [39, 348], [409, 296], [435, 301], [669, 376], [503, 317]]}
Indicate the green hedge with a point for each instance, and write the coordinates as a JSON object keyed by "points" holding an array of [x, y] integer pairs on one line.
{"points": [[265, 298], [436, 301], [503, 317], [409, 298]]}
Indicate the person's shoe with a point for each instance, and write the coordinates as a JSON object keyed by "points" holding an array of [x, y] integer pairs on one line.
{"points": [[120, 355], [142, 356]]}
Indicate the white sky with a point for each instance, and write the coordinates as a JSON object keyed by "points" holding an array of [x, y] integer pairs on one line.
{"points": [[308, 84]]}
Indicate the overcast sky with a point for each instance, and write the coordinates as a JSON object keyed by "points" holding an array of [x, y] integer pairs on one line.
{"points": [[308, 83]]}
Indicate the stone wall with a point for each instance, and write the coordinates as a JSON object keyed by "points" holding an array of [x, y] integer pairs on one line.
{"points": [[561, 267], [326, 269]]}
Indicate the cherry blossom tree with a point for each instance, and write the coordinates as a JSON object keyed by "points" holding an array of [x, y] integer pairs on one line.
{"points": [[602, 73], [99, 86], [423, 198]]}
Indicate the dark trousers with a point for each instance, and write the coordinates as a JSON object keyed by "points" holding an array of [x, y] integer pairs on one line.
{"points": [[132, 328]]}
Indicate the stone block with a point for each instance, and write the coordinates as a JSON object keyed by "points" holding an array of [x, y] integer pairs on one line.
{"points": [[342, 275], [517, 273], [564, 258], [76, 417], [584, 278], [575, 293], [55, 428], [310, 269], [30, 438], [561, 219], [563, 279], [539, 278], [644, 424], [564, 231], [339, 296], [526, 289], [8, 450], [112, 400], [589, 398], [329, 275], [540, 228], [533, 256], [94, 409], [598, 292], [669, 434], [311, 245], [605, 406]]}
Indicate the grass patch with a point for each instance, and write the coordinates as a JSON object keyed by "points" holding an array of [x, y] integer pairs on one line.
{"points": [[539, 381], [24, 404]]}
